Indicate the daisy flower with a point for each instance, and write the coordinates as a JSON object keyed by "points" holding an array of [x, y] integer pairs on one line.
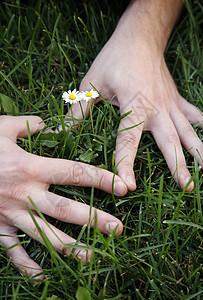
{"points": [[71, 97], [89, 95]]}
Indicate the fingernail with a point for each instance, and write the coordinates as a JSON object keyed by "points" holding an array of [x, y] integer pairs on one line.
{"points": [[191, 185], [81, 254], [119, 188], [59, 129], [40, 125], [111, 226], [48, 131], [131, 180]]}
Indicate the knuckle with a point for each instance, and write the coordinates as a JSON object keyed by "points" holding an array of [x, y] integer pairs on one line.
{"points": [[127, 163], [35, 231], [11, 191], [128, 140], [23, 170], [101, 179], [36, 119], [61, 212], [12, 181], [28, 167], [93, 217], [4, 211], [172, 142], [188, 130], [76, 174], [181, 167]]}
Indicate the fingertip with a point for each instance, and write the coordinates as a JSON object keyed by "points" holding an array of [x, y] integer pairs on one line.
{"points": [[185, 182], [37, 277], [59, 129], [49, 130], [114, 227], [129, 180], [120, 188], [21, 260], [200, 124], [189, 184], [40, 126], [67, 126], [119, 229], [35, 272], [35, 124], [84, 254]]}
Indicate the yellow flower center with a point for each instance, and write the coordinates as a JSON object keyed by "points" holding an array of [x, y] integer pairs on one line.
{"points": [[72, 97], [88, 94]]}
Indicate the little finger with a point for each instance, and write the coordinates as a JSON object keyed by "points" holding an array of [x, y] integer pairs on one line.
{"points": [[191, 112], [19, 256], [168, 142], [188, 136]]}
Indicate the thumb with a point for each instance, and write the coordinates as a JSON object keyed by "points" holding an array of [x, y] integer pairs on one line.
{"points": [[79, 111], [16, 126]]}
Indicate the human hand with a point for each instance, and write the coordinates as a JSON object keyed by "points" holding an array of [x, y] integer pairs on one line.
{"points": [[140, 79], [23, 174]]}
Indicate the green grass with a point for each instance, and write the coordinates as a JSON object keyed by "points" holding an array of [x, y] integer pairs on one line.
{"points": [[46, 47]]}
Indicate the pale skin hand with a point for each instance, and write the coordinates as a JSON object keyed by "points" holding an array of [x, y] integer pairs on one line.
{"points": [[23, 174], [131, 66]]}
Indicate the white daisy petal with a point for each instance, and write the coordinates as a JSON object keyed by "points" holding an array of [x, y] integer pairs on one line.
{"points": [[87, 95], [71, 97]]}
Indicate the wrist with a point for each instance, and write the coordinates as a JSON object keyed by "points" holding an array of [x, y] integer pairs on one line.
{"points": [[148, 22]]}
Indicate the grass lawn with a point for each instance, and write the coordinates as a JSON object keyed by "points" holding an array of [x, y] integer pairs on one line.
{"points": [[46, 47]]}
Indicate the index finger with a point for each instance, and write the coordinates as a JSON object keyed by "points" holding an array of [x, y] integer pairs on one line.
{"points": [[66, 172], [129, 134]]}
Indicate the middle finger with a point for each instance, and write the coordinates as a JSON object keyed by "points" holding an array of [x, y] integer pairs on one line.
{"points": [[62, 171], [74, 212]]}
